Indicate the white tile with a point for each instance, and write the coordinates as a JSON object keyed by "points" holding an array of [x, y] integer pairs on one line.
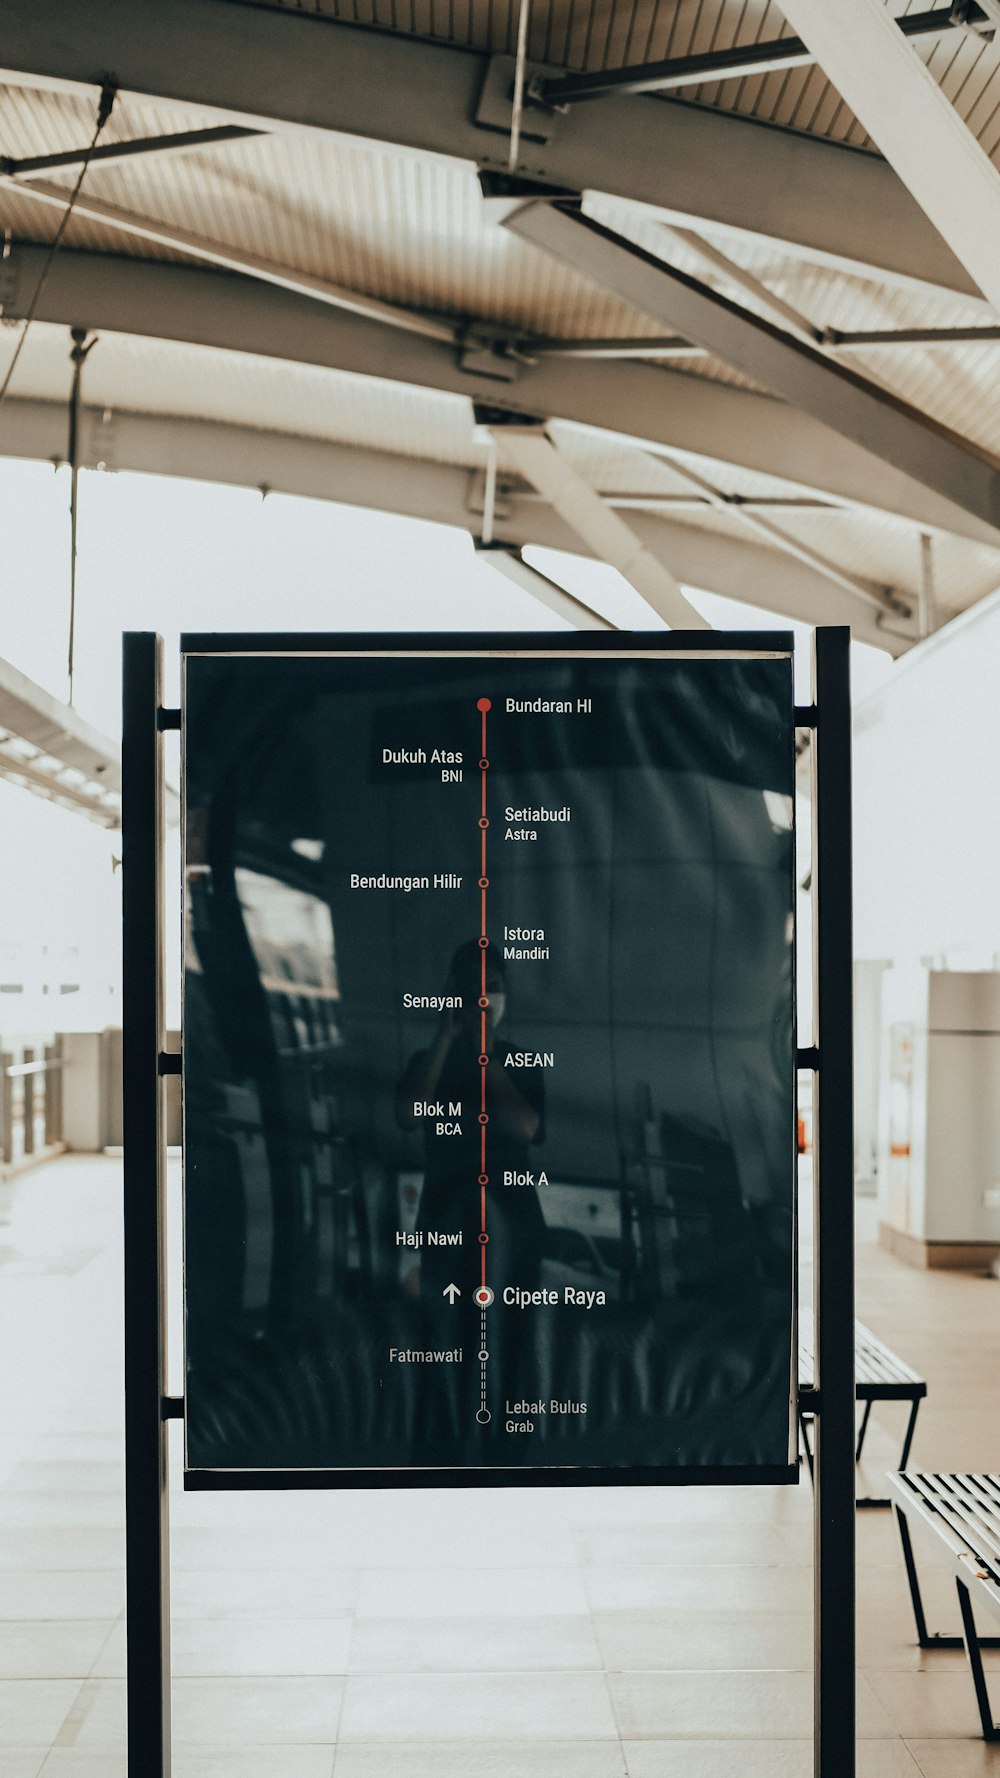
{"points": [[76, 1594], [257, 1711], [61, 1547], [751, 1705], [514, 1593], [887, 1641], [270, 1647], [956, 1759], [694, 1588], [490, 1707], [283, 1761], [226, 1592], [32, 1711], [21, 1762], [235, 1647], [57, 1475], [473, 1644], [719, 1544], [23, 1508], [681, 1641], [757, 1759], [505, 1759], [44, 1649], [928, 1704], [217, 1712], [84, 1762], [719, 1759]]}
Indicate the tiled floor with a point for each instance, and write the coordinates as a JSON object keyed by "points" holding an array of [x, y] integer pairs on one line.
{"points": [[551, 1635]]}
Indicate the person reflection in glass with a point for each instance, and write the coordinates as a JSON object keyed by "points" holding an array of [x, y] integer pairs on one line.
{"points": [[449, 1071]]}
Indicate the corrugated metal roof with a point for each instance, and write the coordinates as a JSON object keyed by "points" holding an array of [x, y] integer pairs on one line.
{"points": [[588, 35], [412, 230], [404, 228]]}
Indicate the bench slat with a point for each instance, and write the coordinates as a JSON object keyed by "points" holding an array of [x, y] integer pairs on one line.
{"points": [[966, 1512], [876, 1368], [963, 1509]]}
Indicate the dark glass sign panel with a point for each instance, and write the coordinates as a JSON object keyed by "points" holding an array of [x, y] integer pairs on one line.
{"points": [[489, 1063]]}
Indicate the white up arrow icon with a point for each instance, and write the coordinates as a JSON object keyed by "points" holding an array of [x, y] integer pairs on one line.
{"points": [[451, 1291]]}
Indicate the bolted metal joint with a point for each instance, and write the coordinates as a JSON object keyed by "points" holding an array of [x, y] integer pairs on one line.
{"points": [[485, 414], [486, 354]]}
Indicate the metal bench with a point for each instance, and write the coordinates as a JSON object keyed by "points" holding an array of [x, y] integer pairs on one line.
{"points": [[961, 1513], [879, 1375]]}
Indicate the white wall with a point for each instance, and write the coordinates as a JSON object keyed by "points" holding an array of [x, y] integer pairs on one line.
{"points": [[927, 898], [927, 802]]}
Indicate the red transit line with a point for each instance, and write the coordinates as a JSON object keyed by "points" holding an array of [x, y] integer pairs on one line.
{"points": [[483, 705]]}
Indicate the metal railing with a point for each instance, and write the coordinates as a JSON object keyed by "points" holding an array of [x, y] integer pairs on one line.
{"points": [[31, 1099]]}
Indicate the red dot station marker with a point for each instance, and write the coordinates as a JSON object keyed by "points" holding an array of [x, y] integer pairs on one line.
{"points": [[483, 1296]]}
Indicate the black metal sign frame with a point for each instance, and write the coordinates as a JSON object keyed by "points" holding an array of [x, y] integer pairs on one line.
{"points": [[148, 1404]]}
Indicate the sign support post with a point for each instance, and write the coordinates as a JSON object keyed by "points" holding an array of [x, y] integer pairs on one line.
{"points": [[147, 1568], [833, 1160]]}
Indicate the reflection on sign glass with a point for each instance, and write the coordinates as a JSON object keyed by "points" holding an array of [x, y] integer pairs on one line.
{"points": [[488, 1063]]}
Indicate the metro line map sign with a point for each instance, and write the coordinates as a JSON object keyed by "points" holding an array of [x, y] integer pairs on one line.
{"points": [[489, 1059]]}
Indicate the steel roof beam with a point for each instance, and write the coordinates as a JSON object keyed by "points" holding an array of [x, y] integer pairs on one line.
{"points": [[898, 101], [507, 559], [863, 412], [149, 147], [231, 259], [535, 455], [744, 280], [884, 598], [272, 68], [199, 306], [664, 346], [731, 565], [741, 62], [910, 336]]}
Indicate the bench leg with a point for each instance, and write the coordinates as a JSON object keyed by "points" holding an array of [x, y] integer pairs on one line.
{"points": [[807, 1445], [864, 1429], [867, 1500], [991, 1730], [925, 1640], [911, 1427]]}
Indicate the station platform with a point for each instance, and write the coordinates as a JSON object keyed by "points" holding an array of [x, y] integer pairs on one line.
{"points": [[606, 1633]]}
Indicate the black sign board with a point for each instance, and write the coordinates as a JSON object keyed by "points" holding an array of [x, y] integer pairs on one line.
{"points": [[489, 1060]]}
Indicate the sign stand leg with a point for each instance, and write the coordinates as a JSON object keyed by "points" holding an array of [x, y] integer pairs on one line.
{"points": [[146, 1481], [833, 1149]]}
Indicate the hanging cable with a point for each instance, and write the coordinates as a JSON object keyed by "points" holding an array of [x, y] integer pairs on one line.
{"points": [[108, 93], [517, 112], [82, 348]]}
